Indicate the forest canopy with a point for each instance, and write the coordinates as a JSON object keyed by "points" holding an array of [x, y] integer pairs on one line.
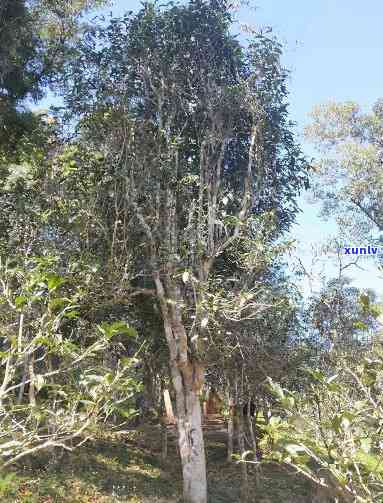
{"points": [[149, 284]]}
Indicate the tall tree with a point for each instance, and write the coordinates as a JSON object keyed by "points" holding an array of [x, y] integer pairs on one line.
{"points": [[35, 37], [197, 146], [342, 315], [349, 170]]}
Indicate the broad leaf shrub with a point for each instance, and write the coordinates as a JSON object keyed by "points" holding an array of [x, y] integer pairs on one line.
{"points": [[55, 382], [332, 431]]}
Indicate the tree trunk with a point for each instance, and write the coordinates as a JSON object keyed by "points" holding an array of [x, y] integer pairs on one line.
{"points": [[31, 370], [164, 441], [187, 380], [191, 443], [148, 390], [254, 441], [241, 444], [230, 430], [24, 378], [168, 407]]}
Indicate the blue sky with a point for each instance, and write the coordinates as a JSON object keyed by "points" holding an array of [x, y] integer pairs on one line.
{"points": [[333, 49]]}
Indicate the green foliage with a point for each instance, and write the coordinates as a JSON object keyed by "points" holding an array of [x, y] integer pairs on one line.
{"points": [[331, 432], [233, 86], [348, 173], [9, 485], [117, 328], [184, 169], [341, 315], [35, 38], [72, 386]]}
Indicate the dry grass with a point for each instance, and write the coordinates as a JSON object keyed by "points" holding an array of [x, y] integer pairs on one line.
{"points": [[128, 469]]}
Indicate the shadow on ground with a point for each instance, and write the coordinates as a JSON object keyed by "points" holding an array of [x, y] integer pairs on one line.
{"points": [[128, 469]]}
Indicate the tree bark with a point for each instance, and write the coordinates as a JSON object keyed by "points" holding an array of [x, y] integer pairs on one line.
{"points": [[31, 369], [168, 407], [192, 450], [164, 441], [251, 430], [24, 378], [241, 443], [254, 441], [230, 430], [187, 379]]}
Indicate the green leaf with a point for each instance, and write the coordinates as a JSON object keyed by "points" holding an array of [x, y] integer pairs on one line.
{"points": [[334, 388], [13, 340], [317, 375], [128, 413], [360, 325], [335, 423], [117, 328], [20, 301], [54, 281], [58, 303], [43, 341], [109, 378], [71, 314]]}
